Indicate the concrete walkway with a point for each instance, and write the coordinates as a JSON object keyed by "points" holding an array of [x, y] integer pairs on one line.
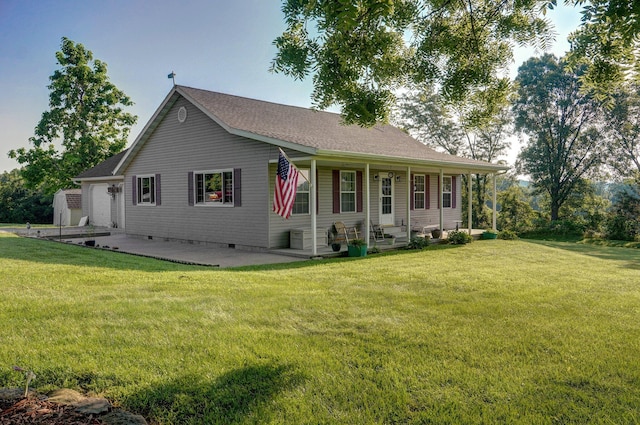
{"points": [[181, 252]]}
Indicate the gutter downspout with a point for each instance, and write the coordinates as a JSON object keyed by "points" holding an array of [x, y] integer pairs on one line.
{"points": [[470, 203], [440, 202], [409, 183], [367, 203], [314, 218], [495, 199]]}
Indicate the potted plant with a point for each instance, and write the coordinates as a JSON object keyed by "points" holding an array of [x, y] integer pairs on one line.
{"points": [[489, 234], [390, 239], [436, 233], [357, 248], [90, 234], [332, 235]]}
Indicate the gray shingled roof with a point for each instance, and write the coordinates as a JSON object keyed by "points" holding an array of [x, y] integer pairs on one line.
{"points": [[310, 131], [323, 131], [103, 169], [74, 198]]}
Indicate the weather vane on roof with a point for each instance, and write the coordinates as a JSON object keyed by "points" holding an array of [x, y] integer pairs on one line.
{"points": [[173, 77]]}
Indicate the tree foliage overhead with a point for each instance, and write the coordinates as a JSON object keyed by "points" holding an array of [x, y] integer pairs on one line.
{"points": [[85, 123], [608, 42], [563, 128], [360, 51]]}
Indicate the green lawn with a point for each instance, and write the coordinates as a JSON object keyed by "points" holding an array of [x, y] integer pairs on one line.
{"points": [[491, 332]]}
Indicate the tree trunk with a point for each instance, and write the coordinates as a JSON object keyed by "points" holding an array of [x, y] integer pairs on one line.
{"points": [[555, 209]]}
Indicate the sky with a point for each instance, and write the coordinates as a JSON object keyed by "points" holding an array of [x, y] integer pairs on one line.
{"points": [[218, 45]]}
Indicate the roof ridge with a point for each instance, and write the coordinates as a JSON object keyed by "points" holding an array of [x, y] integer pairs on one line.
{"points": [[270, 102]]}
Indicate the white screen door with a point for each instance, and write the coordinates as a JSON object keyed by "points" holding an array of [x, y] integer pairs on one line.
{"points": [[386, 199]]}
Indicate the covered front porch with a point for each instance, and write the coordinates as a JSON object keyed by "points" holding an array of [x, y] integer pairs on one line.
{"points": [[406, 198]]}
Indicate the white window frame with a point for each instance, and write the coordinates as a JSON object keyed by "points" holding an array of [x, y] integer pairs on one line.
{"points": [[152, 192], [422, 192], [448, 192], [200, 198], [353, 192], [300, 206]]}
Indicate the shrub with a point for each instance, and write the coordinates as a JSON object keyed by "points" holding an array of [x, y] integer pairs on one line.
{"points": [[509, 235], [418, 243], [592, 234], [459, 237], [624, 219]]}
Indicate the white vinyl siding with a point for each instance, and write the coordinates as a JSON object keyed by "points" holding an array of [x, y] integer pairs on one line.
{"points": [[177, 149]]}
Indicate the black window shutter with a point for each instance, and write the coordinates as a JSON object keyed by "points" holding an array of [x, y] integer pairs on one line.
{"points": [[158, 198], [413, 186], [453, 191], [237, 188], [359, 191], [134, 190], [336, 191], [190, 194], [317, 194], [439, 193], [427, 192]]}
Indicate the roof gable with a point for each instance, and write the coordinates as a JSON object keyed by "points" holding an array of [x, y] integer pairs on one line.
{"points": [[74, 199], [104, 169]]}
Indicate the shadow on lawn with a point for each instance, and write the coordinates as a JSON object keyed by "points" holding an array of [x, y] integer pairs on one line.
{"points": [[629, 257], [232, 397]]}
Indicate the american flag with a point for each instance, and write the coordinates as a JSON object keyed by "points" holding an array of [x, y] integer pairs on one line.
{"points": [[286, 186]]}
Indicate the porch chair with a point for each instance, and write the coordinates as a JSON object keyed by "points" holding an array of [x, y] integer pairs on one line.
{"points": [[377, 233], [343, 233]]}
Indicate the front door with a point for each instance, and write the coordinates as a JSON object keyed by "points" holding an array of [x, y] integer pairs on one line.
{"points": [[386, 199]]}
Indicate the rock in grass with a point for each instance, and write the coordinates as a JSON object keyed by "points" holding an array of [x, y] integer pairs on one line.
{"points": [[65, 396], [92, 406]]}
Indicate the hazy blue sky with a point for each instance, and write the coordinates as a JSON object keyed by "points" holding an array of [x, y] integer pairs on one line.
{"points": [[219, 45]]}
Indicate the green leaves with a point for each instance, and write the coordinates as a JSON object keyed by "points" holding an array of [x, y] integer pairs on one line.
{"points": [[360, 52], [607, 42], [563, 128], [85, 123]]}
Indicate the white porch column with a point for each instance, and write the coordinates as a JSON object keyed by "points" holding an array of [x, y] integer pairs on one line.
{"points": [[367, 204], [440, 202], [408, 221], [495, 201], [312, 207], [470, 204]]}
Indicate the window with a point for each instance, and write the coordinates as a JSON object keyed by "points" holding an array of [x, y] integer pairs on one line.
{"points": [[419, 191], [146, 190], [347, 191], [447, 189], [214, 187], [301, 203]]}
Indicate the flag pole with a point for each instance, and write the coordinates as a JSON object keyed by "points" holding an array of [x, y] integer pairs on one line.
{"points": [[290, 161]]}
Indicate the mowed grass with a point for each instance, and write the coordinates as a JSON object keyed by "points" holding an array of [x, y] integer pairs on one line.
{"points": [[492, 332]]}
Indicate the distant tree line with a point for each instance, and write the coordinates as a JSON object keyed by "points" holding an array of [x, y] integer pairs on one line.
{"points": [[21, 204]]}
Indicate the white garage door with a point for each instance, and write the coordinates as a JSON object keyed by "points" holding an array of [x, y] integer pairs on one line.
{"points": [[100, 205]]}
